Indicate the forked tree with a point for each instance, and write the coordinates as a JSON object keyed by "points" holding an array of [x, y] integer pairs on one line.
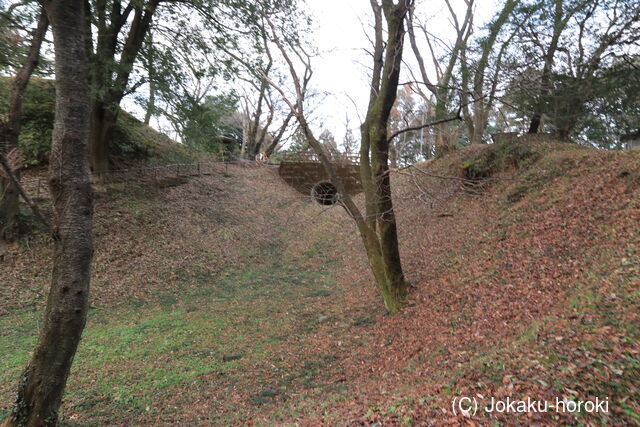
{"points": [[574, 42], [377, 224], [43, 381], [481, 71], [441, 88]]}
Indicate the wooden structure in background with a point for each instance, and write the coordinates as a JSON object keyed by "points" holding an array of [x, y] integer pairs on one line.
{"points": [[631, 140]]}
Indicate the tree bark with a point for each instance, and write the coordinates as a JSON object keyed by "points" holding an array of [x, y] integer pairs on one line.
{"points": [[375, 168], [377, 227], [278, 136], [10, 130], [108, 83], [42, 384], [253, 143], [151, 102], [103, 121]]}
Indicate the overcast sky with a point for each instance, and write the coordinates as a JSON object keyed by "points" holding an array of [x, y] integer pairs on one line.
{"points": [[341, 70]]}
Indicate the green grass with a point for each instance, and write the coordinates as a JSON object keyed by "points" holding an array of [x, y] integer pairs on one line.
{"points": [[143, 351]]}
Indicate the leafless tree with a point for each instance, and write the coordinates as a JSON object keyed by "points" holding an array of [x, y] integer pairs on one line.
{"points": [[377, 224], [481, 73], [261, 110], [441, 91]]}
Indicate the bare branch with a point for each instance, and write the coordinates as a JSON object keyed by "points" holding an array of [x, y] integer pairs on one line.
{"points": [[34, 207], [458, 116]]}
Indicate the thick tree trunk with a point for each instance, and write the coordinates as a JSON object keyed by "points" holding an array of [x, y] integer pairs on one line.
{"points": [[11, 129], [480, 120], [253, 148], [108, 86], [253, 130], [375, 140], [9, 206], [387, 229], [103, 122], [42, 385], [394, 290], [443, 143], [536, 120]]}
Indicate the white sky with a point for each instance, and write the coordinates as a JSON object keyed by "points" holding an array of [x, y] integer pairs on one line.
{"points": [[341, 71]]}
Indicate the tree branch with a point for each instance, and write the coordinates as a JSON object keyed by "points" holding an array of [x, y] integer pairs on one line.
{"points": [[25, 196], [458, 116]]}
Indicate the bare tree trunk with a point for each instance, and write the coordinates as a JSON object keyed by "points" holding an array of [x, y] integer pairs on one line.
{"points": [[253, 131], [10, 130], [278, 136], [536, 120], [443, 143], [108, 87], [375, 156], [43, 382], [151, 103], [479, 119], [103, 122]]}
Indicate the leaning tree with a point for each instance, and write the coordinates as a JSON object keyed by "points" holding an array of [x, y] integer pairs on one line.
{"points": [[377, 223]]}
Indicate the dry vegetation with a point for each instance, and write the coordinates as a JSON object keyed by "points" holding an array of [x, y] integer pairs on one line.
{"points": [[233, 299]]}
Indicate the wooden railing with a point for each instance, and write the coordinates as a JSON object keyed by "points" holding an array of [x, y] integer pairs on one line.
{"points": [[311, 156]]}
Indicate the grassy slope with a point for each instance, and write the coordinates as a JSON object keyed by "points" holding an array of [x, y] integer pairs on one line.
{"points": [[194, 286], [232, 299], [133, 140]]}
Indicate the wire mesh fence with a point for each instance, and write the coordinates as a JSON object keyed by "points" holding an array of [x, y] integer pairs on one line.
{"points": [[37, 187]]}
